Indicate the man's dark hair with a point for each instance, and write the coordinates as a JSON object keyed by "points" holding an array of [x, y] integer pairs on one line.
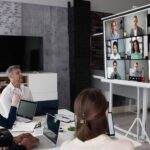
{"points": [[114, 62], [115, 44]]}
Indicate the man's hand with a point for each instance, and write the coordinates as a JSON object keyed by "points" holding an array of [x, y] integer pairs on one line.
{"points": [[20, 137], [29, 142]]}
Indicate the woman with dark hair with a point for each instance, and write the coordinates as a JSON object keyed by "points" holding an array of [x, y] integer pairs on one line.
{"points": [[91, 124], [136, 50]]}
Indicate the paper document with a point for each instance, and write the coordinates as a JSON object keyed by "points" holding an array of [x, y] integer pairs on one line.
{"points": [[65, 118], [21, 126]]}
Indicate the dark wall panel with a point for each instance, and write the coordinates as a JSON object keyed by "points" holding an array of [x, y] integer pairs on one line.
{"points": [[52, 24]]}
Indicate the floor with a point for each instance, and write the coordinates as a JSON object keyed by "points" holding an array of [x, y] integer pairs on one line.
{"points": [[124, 121]]}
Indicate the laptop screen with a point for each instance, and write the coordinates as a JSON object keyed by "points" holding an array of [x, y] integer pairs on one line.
{"points": [[51, 128], [26, 109]]}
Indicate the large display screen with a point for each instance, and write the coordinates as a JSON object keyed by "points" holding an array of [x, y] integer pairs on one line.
{"points": [[25, 51], [127, 45]]}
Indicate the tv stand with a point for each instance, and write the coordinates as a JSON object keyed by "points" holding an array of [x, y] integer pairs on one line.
{"points": [[137, 121]]}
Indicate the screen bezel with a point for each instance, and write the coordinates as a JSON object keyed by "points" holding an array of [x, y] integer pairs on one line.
{"points": [[25, 116], [49, 115]]}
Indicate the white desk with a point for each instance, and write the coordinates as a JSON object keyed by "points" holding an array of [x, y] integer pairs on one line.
{"points": [[68, 135], [63, 136], [138, 85]]}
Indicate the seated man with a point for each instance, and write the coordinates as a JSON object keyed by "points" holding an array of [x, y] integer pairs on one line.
{"points": [[115, 74], [15, 86], [136, 72], [136, 30]]}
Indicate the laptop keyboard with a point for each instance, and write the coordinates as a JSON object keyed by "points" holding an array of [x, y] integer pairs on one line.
{"points": [[21, 119], [44, 143]]}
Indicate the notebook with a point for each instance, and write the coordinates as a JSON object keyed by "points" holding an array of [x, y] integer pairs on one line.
{"points": [[26, 111], [50, 133]]}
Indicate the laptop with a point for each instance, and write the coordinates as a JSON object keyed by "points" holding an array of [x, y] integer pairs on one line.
{"points": [[50, 133], [111, 130], [26, 111]]}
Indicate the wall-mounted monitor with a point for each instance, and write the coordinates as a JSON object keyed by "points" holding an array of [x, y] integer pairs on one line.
{"points": [[26, 51], [127, 45]]}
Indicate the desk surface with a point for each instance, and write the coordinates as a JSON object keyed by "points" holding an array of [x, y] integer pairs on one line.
{"points": [[62, 137], [68, 135]]}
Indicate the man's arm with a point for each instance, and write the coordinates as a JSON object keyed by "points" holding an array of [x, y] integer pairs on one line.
{"points": [[8, 122], [30, 95], [5, 101]]}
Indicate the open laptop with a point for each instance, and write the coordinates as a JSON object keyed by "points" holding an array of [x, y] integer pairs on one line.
{"points": [[111, 130], [50, 133], [26, 111]]}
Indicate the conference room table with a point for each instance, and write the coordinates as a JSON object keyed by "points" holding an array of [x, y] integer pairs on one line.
{"points": [[65, 135]]}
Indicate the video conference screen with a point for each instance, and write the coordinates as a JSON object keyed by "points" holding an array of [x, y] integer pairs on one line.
{"points": [[127, 45]]}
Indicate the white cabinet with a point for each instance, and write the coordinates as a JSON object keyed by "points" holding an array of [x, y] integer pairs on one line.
{"points": [[43, 86]]}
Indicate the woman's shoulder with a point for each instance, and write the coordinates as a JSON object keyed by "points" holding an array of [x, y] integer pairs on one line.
{"points": [[66, 145], [123, 144]]}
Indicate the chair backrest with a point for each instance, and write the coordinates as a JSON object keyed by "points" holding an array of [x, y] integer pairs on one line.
{"points": [[47, 106]]}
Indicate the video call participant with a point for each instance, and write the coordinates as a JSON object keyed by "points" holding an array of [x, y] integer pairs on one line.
{"points": [[115, 54], [8, 122], [15, 86], [136, 50], [136, 30], [115, 74], [114, 33], [24, 141], [91, 108], [136, 72]]}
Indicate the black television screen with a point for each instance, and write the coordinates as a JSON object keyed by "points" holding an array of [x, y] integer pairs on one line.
{"points": [[25, 51]]}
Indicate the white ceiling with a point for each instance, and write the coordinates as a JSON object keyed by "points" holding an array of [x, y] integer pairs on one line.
{"points": [[115, 6], [112, 6]]}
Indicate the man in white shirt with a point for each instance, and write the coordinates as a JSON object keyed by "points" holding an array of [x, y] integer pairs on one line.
{"points": [[15, 86], [115, 54]]}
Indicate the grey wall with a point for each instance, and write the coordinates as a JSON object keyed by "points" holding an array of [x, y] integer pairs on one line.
{"points": [[52, 24], [126, 91], [10, 18]]}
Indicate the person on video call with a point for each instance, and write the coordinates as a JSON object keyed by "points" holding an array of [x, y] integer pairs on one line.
{"points": [[15, 86], [115, 54], [136, 30], [114, 33], [91, 109], [136, 50], [115, 74], [136, 72]]}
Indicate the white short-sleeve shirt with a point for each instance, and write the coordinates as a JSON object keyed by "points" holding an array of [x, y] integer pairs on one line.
{"points": [[7, 93]]}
